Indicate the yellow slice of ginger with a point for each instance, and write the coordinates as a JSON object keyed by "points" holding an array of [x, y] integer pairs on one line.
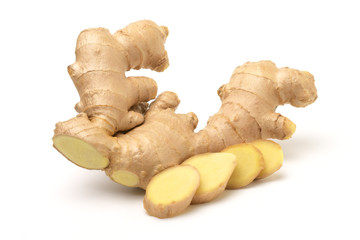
{"points": [[250, 162], [215, 170], [170, 192], [273, 156]]}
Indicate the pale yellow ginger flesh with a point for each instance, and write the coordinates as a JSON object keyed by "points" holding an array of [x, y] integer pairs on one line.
{"points": [[170, 192], [250, 163], [80, 152], [125, 177], [273, 156], [215, 170]]}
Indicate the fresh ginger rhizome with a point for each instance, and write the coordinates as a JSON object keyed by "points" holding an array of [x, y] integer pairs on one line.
{"points": [[117, 131]]}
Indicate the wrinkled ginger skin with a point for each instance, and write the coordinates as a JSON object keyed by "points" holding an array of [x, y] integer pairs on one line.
{"points": [[165, 139], [102, 58], [249, 102]]}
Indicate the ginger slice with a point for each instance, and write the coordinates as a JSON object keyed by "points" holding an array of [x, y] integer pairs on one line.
{"points": [[273, 156], [215, 170], [170, 192], [250, 162], [80, 152]]}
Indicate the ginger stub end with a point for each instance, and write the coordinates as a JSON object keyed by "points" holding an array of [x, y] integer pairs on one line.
{"points": [[125, 178], [289, 128], [80, 152]]}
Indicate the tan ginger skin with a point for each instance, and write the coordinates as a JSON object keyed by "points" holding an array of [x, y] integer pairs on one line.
{"points": [[139, 142]]}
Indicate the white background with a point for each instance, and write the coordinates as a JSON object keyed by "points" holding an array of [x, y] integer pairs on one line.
{"points": [[315, 195]]}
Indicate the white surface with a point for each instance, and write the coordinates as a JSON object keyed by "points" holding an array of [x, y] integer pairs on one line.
{"points": [[313, 196]]}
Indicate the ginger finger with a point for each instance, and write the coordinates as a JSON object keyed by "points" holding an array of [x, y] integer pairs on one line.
{"points": [[102, 59]]}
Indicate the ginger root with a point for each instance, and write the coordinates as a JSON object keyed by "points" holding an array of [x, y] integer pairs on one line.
{"points": [[132, 142]]}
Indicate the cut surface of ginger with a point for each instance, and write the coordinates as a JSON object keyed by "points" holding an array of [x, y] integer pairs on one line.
{"points": [[125, 178], [170, 192], [80, 152], [273, 156], [250, 162], [215, 170]]}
